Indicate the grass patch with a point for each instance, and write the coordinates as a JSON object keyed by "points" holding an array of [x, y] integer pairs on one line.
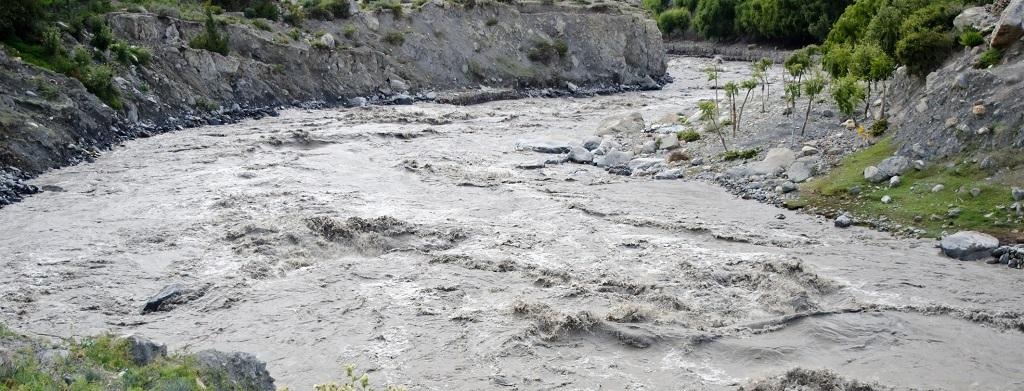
{"points": [[914, 204], [740, 154], [688, 135], [547, 52], [396, 38], [989, 58]]}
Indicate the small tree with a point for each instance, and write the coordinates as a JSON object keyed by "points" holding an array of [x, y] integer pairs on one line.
{"points": [[212, 38], [847, 91], [749, 85], [712, 72], [731, 90], [709, 114], [882, 68], [761, 69], [812, 87]]}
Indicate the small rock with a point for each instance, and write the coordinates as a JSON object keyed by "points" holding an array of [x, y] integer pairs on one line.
{"points": [[855, 190], [938, 188], [542, 146], [828, 113], [674, 173], [895, 181], [850, 124], [982, 131], [844, 221], [649, 147], [952, 122], [886, 199], [954, 213], [591, 143], [580, 155], [1017, 193], [787, 187], [987, 163], [808, 150], [968, 245], [975, 192], [978, 110], [920, 165]]}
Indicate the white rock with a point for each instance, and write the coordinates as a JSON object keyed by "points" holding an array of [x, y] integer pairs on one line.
{"points": [[968, 245]]}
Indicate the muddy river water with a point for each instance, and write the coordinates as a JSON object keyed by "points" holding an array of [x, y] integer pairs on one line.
{"points": [[410, 241]]}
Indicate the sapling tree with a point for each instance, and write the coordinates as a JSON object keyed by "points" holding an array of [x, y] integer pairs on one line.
{"points": [[709, 114], [847, 91], [812, 87], [761, 69], [749, 85], [796, 65], [712, 72], [882, 68], [731, 90], [860, 66]]}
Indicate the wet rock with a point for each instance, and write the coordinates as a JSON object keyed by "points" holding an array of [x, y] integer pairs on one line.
{"points": [[163, 298], [674, 173], [542, 146], [591, 143], [580, 155], [844, 221], [242, 371], [357, 101], [403, 99], [1010, 26], [968, 245], [143, 351], [629, 123], [613, 158]]}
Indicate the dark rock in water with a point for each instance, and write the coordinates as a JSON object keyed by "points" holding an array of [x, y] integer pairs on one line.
{"points": [[403, 99], [844, 221], [580, 155], [530, 166], [968, 245], [243, 370], [591, 143], [164, 297], [143, 351], [1003, 260], [620, 170]]}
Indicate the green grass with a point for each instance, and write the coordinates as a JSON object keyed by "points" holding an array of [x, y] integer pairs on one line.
{"points": [[913, 201], [688, 135], [739, 154]]}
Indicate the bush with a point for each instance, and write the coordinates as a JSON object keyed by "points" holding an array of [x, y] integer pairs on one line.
{"points": [[295, 15], [989, 58], [212, 38], [688, 135], [547, 52], [102, 36], [350, 31], [261, 24], [971, 38], [923, 51], [130, 54], [740, 154], [714, 18], [654, 6], [395, 38], [52, 42], [328, 9], [879, 127], [18, 17], [99, 81], [265, 9], [673, 20]]}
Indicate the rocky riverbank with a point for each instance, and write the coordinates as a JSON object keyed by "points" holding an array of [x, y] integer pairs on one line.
{"points": [[371, 57]]}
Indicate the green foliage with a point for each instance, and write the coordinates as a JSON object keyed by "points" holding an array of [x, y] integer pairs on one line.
{"points": [[266, 9], [19, 17], [869, 62], [328, 9], [353, 382], [654, 6], [396, 38], [879, 127], [130, 54], [674, 20], [714, 18], [884, 29], [295, 15], [797, 21], [261, 24], [923, 51], [108, 351], [212, 38], [799, 62], [689, 135], [99, 81], [740, 154], [102, 36], [847, 91], [350, 31], [837, 58], [971, 38], [392, 5], [547, 52], [989, 58]]}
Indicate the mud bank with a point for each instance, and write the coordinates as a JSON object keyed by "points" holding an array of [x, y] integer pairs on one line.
{"points": [[417, 242]]}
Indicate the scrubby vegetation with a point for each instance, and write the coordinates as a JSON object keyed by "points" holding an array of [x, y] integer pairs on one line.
{"points": [[740, 154], [792, 21], [547, 52], [212, 38]]}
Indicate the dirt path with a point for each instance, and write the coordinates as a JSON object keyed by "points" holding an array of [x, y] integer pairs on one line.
{"points": [[466, 272]]}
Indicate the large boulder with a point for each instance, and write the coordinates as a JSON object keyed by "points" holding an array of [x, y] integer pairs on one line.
{"points": [[161, 300], [143, 351], [775, 161], [646, 166], [613, 159], [888, 168], [802, 169], [977, 18], [629, 123], [968, 245], [242, 371], [1010, 26]]}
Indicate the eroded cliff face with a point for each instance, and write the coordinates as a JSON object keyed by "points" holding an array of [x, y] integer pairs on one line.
{"points": [[374, 55]]}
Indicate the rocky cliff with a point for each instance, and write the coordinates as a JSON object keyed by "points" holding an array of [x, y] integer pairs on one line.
{"points": [[48, 120]]}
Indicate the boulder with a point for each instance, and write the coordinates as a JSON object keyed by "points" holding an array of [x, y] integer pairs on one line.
{"points": [[580, 155], [649, 147], [802, 169], [403, 99], [886, 199], [668, 141], [844, 221], [968, 245], [143, 351], [674, 173], [1017, 193], [977, 18], [641, 166], [894, 165], [242, 371], [1010, 26], [327, 41], [613, 158], [775, 161], [895, 181], [873, 174], [629, 123], [166, 296], [542, 146], [591, 143]]}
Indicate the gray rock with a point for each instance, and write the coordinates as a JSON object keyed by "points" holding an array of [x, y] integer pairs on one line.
{"points": [[613, 158], [987, 163], [398, 85], [591, 143], [241, 371], [327, 41], [968, 245], [649, 147], [674, 173], [642, 166], [920, 165], [844, 221], [895, 181], [607, 144], [542, 146], [894, 165], [629, 123], [975, 192], [357, 101], [828, 113], [143, 351], [808, 150], [977, 18], [938, 188], [668, 141], [787, 187], [163, 298], [775, 161], [954, 213], [580, 155], [886, 199], [1017, 193], [802, 169], [873, 174], [1010, 26], [403, 99], [855, 190]]}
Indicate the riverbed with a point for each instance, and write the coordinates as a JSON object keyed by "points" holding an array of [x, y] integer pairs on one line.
{"points": [[418, 243]]}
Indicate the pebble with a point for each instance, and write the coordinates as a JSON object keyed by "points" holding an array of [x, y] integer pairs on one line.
{"points": [[938, 188], [886, 199], [895, 181]]}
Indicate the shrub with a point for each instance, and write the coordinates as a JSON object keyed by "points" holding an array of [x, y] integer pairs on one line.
{"points": [[265, 9], [99, 81], [971, 38], [547, 52], [295, 15], [396, 38], [847, 91], [130, 54], [52, 42], [714, 18], [261, 24], [18, 17], [212, 38], [740, 154], [393, 5], [102, 36], [350, 31], [328, 9], [923, 51], [989, 58], [689, 135], [654, 6], [879, 127], [673, 20]]}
